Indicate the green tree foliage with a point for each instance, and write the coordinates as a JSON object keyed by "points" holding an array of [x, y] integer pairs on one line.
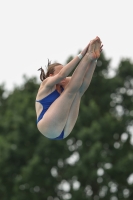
{"points": [[94, 162]]}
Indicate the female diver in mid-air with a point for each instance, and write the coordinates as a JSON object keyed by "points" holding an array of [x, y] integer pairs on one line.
{"points": [[58, 98]]}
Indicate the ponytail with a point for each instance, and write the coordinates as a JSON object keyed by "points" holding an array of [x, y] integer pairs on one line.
{"points": [[50, 70], [42, 75]]}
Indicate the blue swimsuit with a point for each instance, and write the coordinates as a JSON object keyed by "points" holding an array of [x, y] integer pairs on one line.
{"points": [[46, 102]]}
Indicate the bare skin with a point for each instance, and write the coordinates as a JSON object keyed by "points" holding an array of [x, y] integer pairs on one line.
{"points": [[63, 112]]}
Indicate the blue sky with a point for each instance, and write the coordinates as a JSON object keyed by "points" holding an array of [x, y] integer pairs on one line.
{"points": [[33, 30]]}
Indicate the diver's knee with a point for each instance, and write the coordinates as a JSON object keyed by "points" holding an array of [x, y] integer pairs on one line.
{"points": [[71, 92]]}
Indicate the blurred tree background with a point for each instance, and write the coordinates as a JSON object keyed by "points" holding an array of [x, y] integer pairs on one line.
{"points": [[95, 162]]}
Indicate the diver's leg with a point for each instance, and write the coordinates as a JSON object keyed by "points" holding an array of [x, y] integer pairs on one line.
{"points": [[74, 110], [73, 115], [89, 72]]}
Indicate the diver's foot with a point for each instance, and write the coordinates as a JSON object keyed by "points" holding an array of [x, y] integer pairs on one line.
{"points": [[98, 47], [93, 49]]}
